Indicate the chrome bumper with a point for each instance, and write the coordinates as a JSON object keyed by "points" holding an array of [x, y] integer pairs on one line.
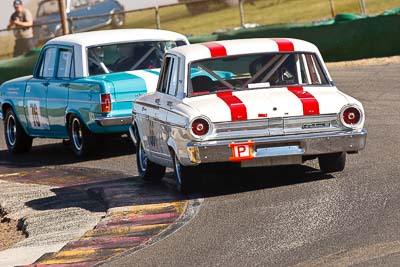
{"points": [[132, 135], [278, 150], [113, 121]]}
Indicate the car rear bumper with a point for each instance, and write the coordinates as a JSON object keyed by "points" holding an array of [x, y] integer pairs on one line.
{"points": [[113, 121], [277, 150]]}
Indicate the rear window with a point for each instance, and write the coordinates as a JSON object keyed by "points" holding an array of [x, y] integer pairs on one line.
{"points": [[128, 56], [252, 71]]}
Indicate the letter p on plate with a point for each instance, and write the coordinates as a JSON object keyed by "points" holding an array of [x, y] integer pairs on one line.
{"points": [[241, 151]]}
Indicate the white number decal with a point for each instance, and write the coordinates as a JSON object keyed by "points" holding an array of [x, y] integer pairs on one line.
{"points": [[35, 115], [35, 118]]}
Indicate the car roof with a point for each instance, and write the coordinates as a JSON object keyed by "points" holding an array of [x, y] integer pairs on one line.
{"points": [[104, 37], [243, 46]]}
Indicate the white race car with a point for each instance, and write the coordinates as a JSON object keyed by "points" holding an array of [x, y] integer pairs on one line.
{"points": [[251, 102]]}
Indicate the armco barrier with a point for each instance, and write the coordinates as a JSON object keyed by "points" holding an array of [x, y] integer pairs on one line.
{"points": [[19, 66], [347, 37]]}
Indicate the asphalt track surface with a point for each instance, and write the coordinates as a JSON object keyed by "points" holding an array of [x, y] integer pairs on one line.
{"points": [[281, 216]]}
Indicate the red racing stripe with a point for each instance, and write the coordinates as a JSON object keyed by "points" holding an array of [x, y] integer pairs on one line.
{"points": [[310, 103], [216, 49], [284, 45], [238, 109]]}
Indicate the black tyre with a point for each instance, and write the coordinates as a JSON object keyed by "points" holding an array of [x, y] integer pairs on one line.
{"points": [[118, 20], [16, 138], [81, 139], [332, 162], [187, 177], [148, 170]]}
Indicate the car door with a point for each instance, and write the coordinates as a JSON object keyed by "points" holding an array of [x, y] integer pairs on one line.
{"points": [[167, 98], [35, 100], [176, 119], [58, 91], [153, 128]]}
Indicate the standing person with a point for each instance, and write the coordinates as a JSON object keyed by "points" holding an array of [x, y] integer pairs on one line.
{"points": [[21, 21]]}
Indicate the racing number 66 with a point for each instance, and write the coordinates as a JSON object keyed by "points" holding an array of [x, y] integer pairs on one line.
{"points": [[35, 114]]}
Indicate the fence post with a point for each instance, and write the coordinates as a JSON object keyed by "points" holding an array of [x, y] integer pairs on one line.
{"points": [[241, 10], [333, 12], [63, 15], [363, 7], [158, 21]]}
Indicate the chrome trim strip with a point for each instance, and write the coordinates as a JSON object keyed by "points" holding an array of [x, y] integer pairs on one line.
{"points": [[276, 126], [59, 99], [79, 101], [132, 135], [8, 97], [170, 124], [123, 101]]}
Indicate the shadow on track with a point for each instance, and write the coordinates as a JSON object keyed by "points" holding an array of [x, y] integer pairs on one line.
{"points": [[226, 181], [59, 154], [119, 191], [76, 186]]}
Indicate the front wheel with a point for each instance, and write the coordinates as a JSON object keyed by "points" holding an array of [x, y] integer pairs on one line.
{"points": [[332, 162], [148, 170], [81, 139], [16, 138]]}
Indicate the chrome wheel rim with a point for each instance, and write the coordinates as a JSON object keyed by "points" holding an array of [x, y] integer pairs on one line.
{"points": [[142, 159], [76, 133], [11, 130]]}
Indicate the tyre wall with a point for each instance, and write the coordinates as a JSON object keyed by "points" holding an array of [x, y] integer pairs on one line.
{"points": [[347, 37], [18, 66]]}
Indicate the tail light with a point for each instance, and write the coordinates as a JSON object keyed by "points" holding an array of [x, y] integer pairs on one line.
{"points": [[105, 103], [351, 116], [200, 127]]}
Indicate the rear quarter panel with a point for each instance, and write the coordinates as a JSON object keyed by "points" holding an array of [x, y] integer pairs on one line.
{"points": [[12, 95]]}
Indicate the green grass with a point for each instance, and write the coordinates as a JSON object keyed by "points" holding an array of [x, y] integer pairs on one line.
{"points": [[6, 46], [264, 12]]}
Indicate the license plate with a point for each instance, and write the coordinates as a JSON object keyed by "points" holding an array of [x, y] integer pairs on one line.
{"points": [[241, 151]]}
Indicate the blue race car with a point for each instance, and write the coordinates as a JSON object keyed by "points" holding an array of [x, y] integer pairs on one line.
{"points": [[83, 86]]}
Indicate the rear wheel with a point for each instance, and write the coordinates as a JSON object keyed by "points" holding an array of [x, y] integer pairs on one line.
{"points": [[187, 177], [332, 162], [82, 140], [148, 170], [16, 138]]}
